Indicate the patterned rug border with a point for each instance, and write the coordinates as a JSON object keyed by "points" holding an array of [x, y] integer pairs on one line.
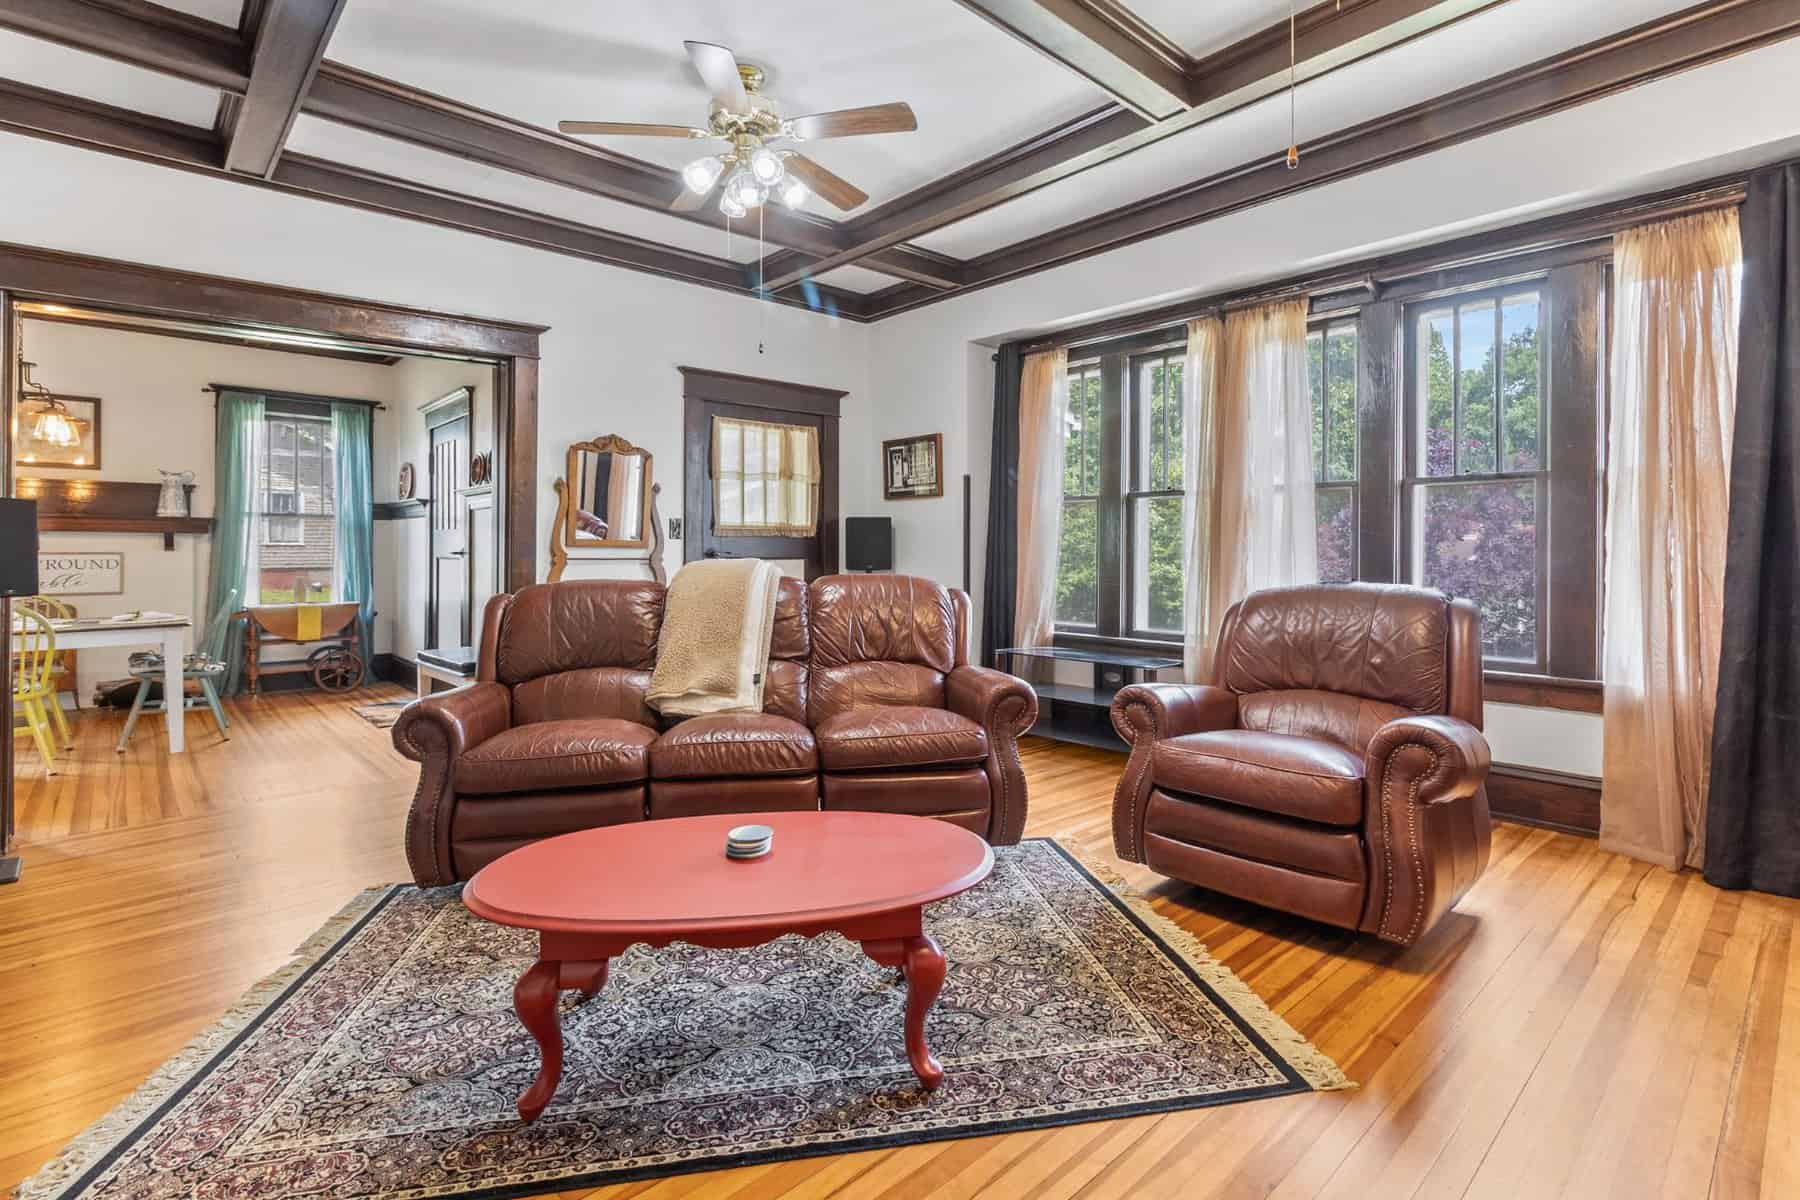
{"points": [[94, 1148]]}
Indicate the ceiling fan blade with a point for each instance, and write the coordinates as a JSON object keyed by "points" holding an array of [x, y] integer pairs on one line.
{"points": [[631, 129], [718, 66], [837, 191], [876, 118]]}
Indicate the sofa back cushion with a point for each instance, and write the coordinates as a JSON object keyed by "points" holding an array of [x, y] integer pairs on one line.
{"points": [[879, 640], [1377, 642], [785, 688], [580, 648]]}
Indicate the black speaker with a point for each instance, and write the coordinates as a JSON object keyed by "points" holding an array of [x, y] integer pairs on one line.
{"points": [[18, 548], [869, 543]]}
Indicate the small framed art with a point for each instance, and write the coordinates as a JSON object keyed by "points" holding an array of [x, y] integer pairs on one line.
{"points": [[912, 468], [58, 431]]}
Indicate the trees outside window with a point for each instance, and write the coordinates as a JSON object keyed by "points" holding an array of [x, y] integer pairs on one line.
{"points": [[1331, 363]]}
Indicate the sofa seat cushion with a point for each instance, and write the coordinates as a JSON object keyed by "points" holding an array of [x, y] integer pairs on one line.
{"points": [[879, 737], [584, 753], [1300, 777], [719, 745]]}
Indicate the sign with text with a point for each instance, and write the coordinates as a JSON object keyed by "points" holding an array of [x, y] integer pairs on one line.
{"points": [[91, 573]]}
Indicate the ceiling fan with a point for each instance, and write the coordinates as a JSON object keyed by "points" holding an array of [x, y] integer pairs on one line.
{"points": [[751, 168]]}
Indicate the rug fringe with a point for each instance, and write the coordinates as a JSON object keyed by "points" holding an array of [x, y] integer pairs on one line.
{"points": [[1316, 1067], [96, 1140]]}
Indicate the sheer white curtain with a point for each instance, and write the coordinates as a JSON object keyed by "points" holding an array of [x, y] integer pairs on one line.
{"points": [[1250, 466], [1200, 383], [1043, 416], [1677, 287]]}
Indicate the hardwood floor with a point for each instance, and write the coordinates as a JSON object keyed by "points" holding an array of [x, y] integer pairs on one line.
{"points": [[1584, 1026]]}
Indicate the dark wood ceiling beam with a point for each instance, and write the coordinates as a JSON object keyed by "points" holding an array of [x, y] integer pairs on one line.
{"points": [[138, 33], [77, 121], [1222, 84], [375, 105], [1091, 38], [1666, 46], [290, 44]]}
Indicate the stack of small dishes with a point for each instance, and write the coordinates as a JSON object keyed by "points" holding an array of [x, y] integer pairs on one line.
{"points": [[749, 841]]}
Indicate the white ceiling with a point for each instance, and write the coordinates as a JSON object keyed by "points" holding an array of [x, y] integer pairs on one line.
{"points": [[1202, 27], [48, 65], [1480, 47], [975, 90]]}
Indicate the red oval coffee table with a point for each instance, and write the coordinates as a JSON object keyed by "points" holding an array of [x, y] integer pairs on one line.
{"points": [[591, 894]]}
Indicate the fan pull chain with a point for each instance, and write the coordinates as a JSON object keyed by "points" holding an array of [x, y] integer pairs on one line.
{"points": [[1293, 154], [762, 313]]}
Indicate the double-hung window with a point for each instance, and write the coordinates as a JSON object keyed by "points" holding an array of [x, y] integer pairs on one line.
{"points": [[1153, 503], [1331, 364], [1078, 559], [296, 481], [1477, 482]]}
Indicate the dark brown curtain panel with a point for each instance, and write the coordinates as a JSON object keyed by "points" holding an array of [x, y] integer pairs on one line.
{"points": [[1001, 580], [1753, 809]]}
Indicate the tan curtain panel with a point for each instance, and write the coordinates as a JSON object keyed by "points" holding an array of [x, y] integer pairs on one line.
{"points": [[1674, 374], [1043, 415], [765, 478], [1253, 527]]}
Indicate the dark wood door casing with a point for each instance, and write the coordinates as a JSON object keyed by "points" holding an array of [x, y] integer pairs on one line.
{"points": [[709, 393]]}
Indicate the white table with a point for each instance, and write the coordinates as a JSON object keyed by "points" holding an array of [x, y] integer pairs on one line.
{"points": [[169, 634]]}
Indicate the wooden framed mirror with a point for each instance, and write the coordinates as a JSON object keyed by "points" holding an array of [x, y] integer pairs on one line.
{"points": [[608, 496]]}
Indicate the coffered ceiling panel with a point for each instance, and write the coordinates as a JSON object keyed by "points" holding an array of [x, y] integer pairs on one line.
{"points": [[1201, 29], [371, 152], [975, 90], [48, 65], [1487, 44], [855, 279]]}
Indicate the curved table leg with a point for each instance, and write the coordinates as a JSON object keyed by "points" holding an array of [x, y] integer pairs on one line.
{"points": [[588, 977], [534, 999], [924, 966]]}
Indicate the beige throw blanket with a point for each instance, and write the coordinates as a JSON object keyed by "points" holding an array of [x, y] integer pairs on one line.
{"points": [[713, 651]]}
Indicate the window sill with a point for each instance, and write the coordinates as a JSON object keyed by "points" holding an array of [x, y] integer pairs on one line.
{"points": [[1543, 691]]}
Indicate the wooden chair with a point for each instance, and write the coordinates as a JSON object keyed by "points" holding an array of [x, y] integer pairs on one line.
{"points": [[62, 673], [34, 652]]}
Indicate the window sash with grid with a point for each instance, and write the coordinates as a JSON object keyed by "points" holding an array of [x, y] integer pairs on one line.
{"points": [[1480, 468], [1083, 458], [1154, 496], [283, 508], [1336, 489]]}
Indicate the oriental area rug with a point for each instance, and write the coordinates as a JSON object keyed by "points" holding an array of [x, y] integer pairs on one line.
{"points": [[384, 1061]]}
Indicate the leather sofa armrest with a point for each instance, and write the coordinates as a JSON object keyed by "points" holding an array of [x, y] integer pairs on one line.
{"points": [[1005, 707], [1425, 822], [434, 732], [1144, 714]]}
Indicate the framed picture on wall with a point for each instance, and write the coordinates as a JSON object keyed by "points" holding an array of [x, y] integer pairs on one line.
{"points": [[912, 468], [58, 431]]}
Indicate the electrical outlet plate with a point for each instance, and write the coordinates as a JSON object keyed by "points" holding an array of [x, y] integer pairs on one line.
{"points": [[675, 529]]}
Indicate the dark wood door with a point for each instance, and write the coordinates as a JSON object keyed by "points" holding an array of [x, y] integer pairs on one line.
{"points": [[447, 614], [712, 394]]}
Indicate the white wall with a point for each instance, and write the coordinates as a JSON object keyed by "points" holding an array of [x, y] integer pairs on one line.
{"points": [[154, 415], [931, 369]]}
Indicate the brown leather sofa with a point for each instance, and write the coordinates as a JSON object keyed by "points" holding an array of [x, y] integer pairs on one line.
{"points": [[1334, 768], [870, 703]]}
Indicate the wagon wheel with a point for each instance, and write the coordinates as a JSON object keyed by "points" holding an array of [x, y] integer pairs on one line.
{"points": [[335, 668]]}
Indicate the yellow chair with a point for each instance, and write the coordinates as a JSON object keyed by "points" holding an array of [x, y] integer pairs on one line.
{"points": [[34, 657], [62, 672]]}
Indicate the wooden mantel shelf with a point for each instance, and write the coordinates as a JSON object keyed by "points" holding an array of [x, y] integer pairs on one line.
{"points": [[105, 506]]}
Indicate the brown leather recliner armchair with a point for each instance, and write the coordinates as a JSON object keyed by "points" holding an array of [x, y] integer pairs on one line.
{"points": [[1334, 768], [869, 703]]}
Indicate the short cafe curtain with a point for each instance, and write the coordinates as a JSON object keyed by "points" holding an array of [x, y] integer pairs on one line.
{"points": [[765, 479]]}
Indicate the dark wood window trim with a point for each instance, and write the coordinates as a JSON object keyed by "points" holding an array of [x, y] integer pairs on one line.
{"points": [[1114, 358]]}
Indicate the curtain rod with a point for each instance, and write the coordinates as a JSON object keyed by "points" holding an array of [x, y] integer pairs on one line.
{"points": [[1373, 274], [216, 388]]}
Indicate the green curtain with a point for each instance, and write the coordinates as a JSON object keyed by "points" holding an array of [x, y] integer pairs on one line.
{"points": [[351, 440], [234, 543]]}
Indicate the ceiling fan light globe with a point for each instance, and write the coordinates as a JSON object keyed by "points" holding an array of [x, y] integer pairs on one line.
{"points": [[794, 193], [702, 173], [765, 166], [731, 208], [745, 190]]}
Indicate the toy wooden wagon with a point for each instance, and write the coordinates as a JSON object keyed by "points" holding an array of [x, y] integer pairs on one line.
{"points": [[335, 667]]}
